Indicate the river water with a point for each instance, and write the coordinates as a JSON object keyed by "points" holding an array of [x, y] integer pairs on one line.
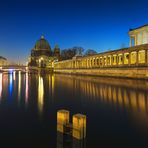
{"points": [[116, 110]]}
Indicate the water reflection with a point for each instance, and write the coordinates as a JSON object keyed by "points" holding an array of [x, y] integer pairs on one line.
{"points": [[131, 95], [10, 83], [127, 95], [69, 142], [14, 75], [1, 85], [40, 93], [19, 85], [52, 84], [26, 89], [48, 93]]}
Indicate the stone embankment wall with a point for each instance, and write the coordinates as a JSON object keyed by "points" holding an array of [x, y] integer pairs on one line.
{"points": [[137, 73]]}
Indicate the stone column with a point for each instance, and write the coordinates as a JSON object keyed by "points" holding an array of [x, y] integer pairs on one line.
{"points": [[136, 57], [90, 63], [87, 63], [117, 60], [111, 58], [130, 41], [145, 57], [135, 40], [129, 60]]}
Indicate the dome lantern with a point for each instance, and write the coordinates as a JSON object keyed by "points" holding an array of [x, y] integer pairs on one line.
{"points": [[42, 37]]}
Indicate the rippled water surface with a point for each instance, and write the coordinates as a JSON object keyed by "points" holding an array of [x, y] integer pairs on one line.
{"points": [[116, 109]]}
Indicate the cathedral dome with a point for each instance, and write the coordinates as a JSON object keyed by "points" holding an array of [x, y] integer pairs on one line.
{"points": [[42, 44]]}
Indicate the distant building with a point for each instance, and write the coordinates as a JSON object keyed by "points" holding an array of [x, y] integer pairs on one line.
{"points": [[138, 36], [3, 61], [56, 52], [42, 55]]}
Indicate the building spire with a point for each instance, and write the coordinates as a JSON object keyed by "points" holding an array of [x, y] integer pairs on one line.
{"points": [[56, 46]]}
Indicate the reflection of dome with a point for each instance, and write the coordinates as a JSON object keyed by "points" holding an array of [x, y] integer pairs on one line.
{"points": [[42, 44]]}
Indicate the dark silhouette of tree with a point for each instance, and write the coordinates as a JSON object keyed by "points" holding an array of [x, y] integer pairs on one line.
{"points": [[69, 53], [123, 45], [79, 50], [90, 52]]}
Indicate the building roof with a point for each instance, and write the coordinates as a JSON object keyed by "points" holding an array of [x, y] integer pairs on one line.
{"points": [[42, 44], [138, 27], [2, 58]]}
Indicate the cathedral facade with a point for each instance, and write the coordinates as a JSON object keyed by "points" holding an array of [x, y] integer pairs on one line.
{"points": [[42, 56]]}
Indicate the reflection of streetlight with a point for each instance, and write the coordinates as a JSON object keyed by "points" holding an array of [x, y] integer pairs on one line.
{"points": [[14, 75], [19, 84], [52, 84], [26, 66], [26, 91], [40, 93], [10, 83], [1, 85]]}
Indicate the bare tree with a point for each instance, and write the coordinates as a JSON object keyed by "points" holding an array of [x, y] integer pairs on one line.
{"points": [[90, 52]]}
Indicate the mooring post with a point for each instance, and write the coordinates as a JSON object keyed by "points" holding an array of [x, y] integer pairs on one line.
{"points": [[62, 120], [79, 126]]}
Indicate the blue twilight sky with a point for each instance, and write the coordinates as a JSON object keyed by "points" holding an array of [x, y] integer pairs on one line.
{"points": [[95, 24]]}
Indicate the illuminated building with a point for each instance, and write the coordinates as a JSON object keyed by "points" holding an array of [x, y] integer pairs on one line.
{"points": [[139, 36], [42, 55], [125, 62], [3, 61]]}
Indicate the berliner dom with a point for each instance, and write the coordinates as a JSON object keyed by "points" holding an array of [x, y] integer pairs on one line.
{"points": [[42, 56]]}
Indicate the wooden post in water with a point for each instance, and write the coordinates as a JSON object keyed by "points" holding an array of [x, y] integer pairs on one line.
{"points": [[79, 126], [62, 120]]}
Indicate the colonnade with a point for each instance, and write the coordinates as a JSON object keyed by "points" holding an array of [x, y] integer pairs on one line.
{"points": [[128, 57]]}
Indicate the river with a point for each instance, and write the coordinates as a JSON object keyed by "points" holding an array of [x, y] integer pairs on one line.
{"points": [[116, 110]]}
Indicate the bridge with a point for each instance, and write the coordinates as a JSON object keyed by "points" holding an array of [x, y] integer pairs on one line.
{"points": [[8, 68]]}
